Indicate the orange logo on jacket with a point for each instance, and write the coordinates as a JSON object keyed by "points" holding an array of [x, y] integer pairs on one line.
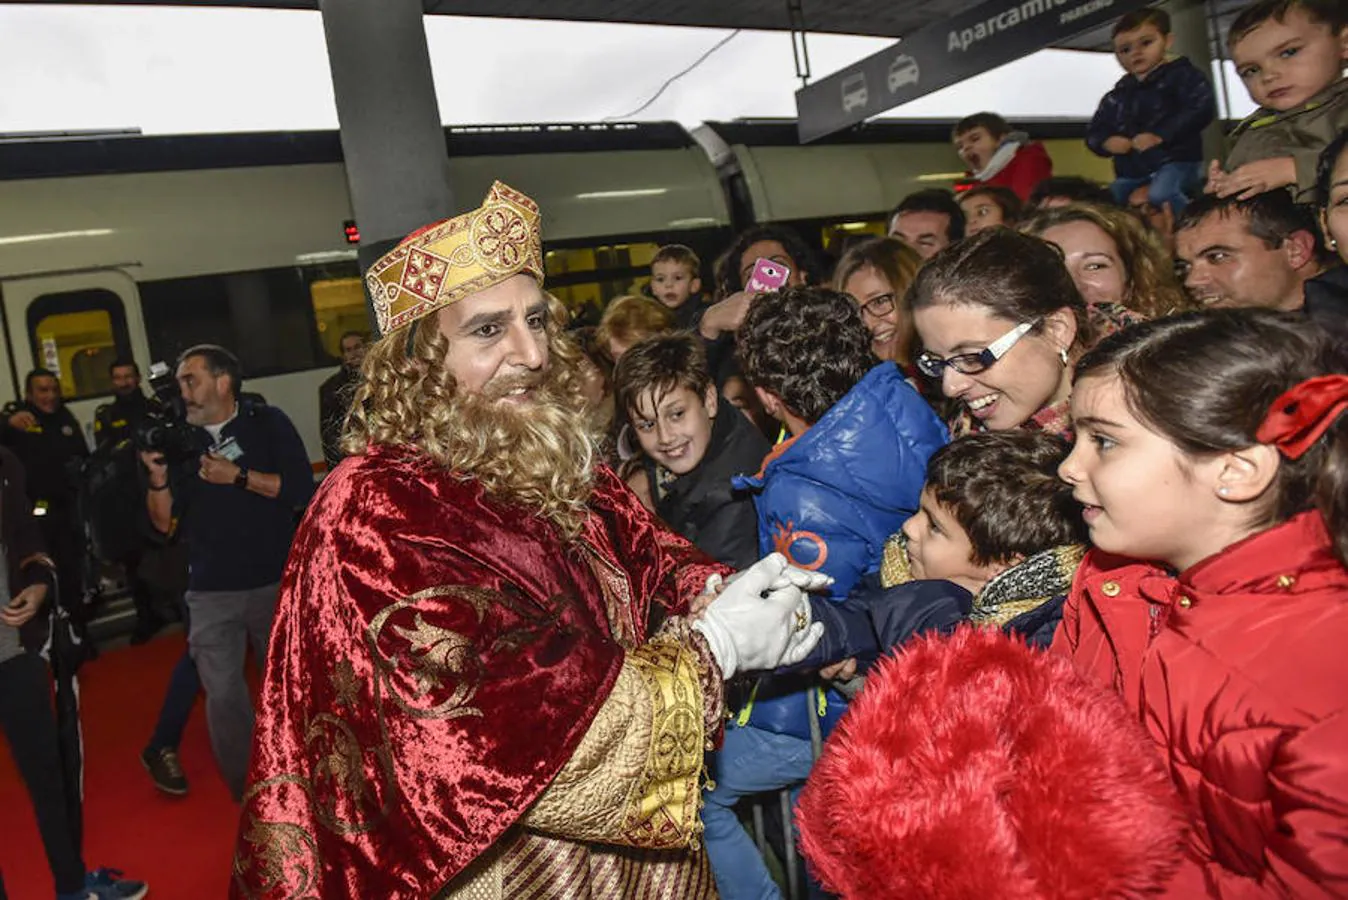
{"points": [[803, 549]]}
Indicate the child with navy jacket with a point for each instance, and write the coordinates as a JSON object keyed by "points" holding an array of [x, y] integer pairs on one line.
{"points": [[1152, 122]]}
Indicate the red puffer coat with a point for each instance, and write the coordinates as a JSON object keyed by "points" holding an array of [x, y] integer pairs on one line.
{"points": [[1238, 669]]}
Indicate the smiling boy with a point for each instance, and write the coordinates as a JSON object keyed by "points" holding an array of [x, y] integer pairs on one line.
{"points": [[1290, 54]]}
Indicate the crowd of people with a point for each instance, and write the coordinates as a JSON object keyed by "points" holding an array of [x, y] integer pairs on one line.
{"points": [[1052, 471]]}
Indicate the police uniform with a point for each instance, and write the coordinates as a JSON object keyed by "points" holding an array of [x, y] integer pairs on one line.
{"points": [[52, 451]]}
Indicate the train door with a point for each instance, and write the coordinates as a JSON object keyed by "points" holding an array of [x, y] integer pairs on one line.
{"points": [[74, 324]]}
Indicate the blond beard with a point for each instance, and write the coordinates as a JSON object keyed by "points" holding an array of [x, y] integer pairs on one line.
{"points": [[538, 454]]}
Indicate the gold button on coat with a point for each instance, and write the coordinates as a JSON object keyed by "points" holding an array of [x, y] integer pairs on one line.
{"points": [[1110, 589], [1286, 581], [1185, 602]]}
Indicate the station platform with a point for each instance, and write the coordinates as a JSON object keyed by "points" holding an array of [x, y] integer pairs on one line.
{"points": [[182, 846]]}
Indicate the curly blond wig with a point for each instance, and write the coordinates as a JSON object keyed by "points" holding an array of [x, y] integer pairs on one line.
{"points": [[540, 456], [1152, 290]]}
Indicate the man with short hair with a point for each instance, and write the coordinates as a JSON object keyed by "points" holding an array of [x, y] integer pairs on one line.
{"points": [[235, 505], [116, 421], [928, 221], [334, 396], [486, 681], [1248, 253]]}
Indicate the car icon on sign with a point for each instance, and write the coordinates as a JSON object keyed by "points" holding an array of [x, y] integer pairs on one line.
{"points": [[903, 70], [854, 92]]}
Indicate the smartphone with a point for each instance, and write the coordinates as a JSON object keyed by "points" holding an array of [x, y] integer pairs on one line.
{"points": [[768, 275]]}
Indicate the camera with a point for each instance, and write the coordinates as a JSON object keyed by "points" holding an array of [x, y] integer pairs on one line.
{"points": [[164, 428]]}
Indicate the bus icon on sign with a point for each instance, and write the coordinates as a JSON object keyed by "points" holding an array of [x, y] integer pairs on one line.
{"points": [[854, 93], [903, 70]]}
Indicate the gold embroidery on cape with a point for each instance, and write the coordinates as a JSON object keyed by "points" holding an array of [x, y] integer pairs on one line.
{"points": [[345, 686], [284, 856], [345, 799], [616, 589]]}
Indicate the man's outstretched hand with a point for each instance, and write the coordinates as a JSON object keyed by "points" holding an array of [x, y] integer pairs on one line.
{"points": [[761, 619]]}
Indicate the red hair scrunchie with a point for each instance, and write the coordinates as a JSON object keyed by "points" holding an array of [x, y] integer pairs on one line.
{"points": [[1298, 418]]}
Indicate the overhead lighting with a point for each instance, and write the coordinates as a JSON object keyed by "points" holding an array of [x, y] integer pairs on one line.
{"points": [[54, 236], [618, 195], [696, 222], [941, 176]]}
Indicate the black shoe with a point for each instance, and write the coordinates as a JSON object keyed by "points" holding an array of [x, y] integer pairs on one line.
{"points": [[165, 770]]}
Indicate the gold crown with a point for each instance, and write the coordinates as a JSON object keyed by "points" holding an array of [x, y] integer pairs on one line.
{"points": [[449, 260]]}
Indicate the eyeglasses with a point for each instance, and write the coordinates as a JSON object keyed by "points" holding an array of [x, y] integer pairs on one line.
{"points": [[879, 306], [933, 366]]}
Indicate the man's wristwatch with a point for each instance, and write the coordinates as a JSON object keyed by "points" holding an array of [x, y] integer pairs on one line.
{"points": [[241, 480]]}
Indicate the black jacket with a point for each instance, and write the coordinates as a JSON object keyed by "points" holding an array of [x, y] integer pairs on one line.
{"points": [[50, 451], [703, 506], [1175, 103], [334, 399], [116, 421], [1327, 300]]}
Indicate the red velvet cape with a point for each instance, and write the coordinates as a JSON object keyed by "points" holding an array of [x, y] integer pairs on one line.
{"points": [[435, 659]]}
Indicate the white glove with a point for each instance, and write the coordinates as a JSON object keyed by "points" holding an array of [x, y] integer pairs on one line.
{"points": [[762, 618]]}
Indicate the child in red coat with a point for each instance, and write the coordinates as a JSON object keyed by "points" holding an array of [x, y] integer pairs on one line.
{"points": [[1212, 460], [996, 155]]}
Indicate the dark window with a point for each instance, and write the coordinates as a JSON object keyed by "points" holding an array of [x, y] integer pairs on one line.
{"points": [[77, 334], [265, 317]]}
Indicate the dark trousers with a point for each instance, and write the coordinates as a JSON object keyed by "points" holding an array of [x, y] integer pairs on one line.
{"points": [[29, 724], [183, 687]]}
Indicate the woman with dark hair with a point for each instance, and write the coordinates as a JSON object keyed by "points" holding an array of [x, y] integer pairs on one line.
{"points": [[1212, 463], [777, 243], [877, 274], [1001, 323], [1327, 294], [1112, 258]]}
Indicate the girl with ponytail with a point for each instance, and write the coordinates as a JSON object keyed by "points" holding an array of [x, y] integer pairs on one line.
{"points": [[1212, 460]]}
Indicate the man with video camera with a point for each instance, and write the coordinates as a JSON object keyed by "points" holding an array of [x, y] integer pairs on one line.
{"points": [[229, 481]]}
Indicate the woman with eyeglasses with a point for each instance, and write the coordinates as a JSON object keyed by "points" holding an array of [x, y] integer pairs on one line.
{"points": [[877, 274], [1001, 324]]}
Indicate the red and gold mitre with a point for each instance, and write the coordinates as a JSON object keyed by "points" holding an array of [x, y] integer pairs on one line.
{"points": [[449, 260]]}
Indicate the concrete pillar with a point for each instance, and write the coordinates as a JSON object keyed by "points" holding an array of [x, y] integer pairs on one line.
{"points": [[1189, 24], [397, 168]]}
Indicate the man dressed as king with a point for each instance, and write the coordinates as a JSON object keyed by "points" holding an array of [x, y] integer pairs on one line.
{"points": [[486, 679]]}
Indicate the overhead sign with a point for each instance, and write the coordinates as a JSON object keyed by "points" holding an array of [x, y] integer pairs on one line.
{"points": [[943, 53]]}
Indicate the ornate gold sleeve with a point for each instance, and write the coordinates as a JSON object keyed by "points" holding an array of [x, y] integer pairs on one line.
{"points": [[634, 779]]}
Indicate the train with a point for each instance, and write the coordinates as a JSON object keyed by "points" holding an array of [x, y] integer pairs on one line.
{"points": [[126, 245]]}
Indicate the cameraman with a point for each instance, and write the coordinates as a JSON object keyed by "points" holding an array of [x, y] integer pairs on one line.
{"points": [[235, 507], [47, 439]]}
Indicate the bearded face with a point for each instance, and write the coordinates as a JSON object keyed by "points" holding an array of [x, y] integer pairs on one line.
{"points": [[484, 395]]}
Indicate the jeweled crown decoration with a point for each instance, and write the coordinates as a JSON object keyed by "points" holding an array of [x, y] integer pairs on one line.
{"points": [[449, 260]]}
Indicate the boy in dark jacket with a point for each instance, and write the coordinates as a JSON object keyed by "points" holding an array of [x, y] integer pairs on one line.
{"points": [[1152, 122], [996, 542], [694, 444], [826, 500]]}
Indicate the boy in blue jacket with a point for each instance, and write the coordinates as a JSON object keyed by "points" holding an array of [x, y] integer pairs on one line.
{"points": [[827, 499], [1152, 122]]}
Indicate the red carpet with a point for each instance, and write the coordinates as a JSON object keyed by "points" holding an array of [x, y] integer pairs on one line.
{"points": [[181, 846]]}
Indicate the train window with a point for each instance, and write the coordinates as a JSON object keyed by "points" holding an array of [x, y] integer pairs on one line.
{"points": [[265, 317], [77, 335], [337, 297], [838, 237], [585, 279]]}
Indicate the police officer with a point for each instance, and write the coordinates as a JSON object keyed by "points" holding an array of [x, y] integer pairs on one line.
{"points": [[46, 437], [116, 421], [114, 424]]}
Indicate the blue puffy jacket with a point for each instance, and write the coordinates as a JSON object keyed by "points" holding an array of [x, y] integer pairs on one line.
{"points": [[829, 499], [1175, 103]]}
